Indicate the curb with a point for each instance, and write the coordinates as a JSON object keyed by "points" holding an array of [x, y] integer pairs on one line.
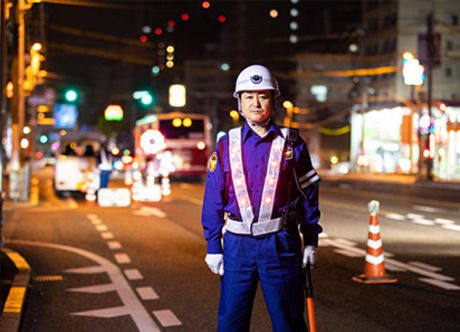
{"points": [[10, 317]]}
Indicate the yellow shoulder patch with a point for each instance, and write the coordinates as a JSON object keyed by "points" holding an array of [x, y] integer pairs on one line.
{"points": [[288, 152], [212, 163]]}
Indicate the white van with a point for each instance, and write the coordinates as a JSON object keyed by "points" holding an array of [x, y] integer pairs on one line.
{"points": [[76, 163]]}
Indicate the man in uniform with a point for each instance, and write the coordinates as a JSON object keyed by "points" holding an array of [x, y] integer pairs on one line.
{"points": [[261, 190]]}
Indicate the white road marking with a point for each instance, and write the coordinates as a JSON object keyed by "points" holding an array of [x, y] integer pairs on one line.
{"points": [[395, 216], [122, 258], [107, 235], [114, 245], [92, 216], [131, 304], [423, 222], [147, 293], [443, 221], [101, 228], [97, 289], [133, 274], [425, 266], [150, 211], [424, 208], [440, 284], [167, 318], [96, 221], [423, 269], [346, 242], [414, 216], [86, 270], [391, 266], [104, 313], [452, 227], [349, 253]]}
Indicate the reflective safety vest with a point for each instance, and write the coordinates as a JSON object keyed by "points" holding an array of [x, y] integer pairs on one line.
{"points": [[265, 224]]}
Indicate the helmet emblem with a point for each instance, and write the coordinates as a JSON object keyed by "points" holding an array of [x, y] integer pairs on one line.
{"points": [[256, 79]]}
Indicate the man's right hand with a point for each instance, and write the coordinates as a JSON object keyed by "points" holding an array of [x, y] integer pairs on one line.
{"points": [[215, 263]]}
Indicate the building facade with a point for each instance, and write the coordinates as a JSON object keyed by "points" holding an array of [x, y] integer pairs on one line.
{"points": [[398, 132]]}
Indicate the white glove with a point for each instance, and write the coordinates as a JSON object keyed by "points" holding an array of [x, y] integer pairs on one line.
{"points": [[309, 256], [215, 263]]}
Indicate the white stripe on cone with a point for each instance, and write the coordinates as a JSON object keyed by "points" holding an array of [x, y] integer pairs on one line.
{"points": [[374, 244], [374, 229], [374, 260]]}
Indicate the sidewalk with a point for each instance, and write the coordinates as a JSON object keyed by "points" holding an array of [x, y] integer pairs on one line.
{"points": [[396, 179]]}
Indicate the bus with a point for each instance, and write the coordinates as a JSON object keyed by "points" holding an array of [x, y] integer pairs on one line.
{"points": [[186, 136]]}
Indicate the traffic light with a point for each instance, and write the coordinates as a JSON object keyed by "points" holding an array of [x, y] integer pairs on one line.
{"points": [[71, 95], [43, 139], [145, 97]]}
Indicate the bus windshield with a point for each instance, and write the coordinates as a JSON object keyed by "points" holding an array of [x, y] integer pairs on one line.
{"points": [[193, 130]]}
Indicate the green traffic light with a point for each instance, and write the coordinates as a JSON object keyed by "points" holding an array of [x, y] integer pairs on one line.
{"points": [[71, 95], [147, 99], [43, 139]]}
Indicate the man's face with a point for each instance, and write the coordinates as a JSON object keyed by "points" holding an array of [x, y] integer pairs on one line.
{"points": [[257, 106]]}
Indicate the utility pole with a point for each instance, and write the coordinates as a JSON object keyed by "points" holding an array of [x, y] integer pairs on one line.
{"points": [[18, 112], [2, 103], [430, 64]]}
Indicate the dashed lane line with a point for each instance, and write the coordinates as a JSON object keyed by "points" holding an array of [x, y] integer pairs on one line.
{"points": [[132, 306], [147, 293], [167, 318], [133, 274], [146, 211], [101, 228], [114, 245], [107, 235], [122, 258]]}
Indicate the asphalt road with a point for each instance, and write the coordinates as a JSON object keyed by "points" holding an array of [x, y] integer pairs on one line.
{"points": [[141, 268]]}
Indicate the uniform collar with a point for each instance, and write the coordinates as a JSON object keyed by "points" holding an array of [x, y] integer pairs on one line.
{"points": [[271, 130]]}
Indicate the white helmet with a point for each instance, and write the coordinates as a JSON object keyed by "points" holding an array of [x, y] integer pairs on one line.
{"points": [[254, 78]]}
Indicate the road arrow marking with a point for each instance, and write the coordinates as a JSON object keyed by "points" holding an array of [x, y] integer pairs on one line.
{"points": [[150, 211], [97, 289], [105, 313], [132, 306]]}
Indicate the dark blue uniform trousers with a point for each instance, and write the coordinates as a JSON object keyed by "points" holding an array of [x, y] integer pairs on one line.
{"points": [[274, 260]]}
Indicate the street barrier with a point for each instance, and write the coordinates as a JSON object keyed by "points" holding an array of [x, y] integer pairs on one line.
{"points": [[119, 197], [374, 266]]}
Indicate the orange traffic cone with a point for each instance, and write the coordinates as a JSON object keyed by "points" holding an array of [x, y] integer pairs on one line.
{"points": [[374, 267]]}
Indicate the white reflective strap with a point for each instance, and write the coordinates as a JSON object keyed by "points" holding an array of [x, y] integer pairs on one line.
{"points": [[238, 227], [309, 182], [239, 180], [306, 176], [374, 260], [374, 229], [374, 244], [266, 227], [271, 178], [259, 228]]}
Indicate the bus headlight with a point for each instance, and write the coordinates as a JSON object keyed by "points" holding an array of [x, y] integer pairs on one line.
{"points": [[200, 145]]}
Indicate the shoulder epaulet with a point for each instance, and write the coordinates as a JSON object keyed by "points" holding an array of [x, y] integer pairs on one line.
{"points": [[293, 135]]}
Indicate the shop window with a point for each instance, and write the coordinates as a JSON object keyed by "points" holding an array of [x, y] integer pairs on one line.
{"points": [[448, 72], [449, 45], [454, 20]]}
